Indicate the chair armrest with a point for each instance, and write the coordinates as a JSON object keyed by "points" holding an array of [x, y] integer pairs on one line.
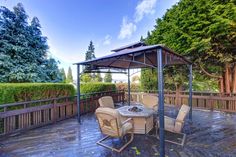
{"points": [[127, 120], [181, 121], [153, 107], [169, 118]]}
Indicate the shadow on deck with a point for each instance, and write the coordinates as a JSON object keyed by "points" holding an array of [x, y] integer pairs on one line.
{"points": [[212, 134]]}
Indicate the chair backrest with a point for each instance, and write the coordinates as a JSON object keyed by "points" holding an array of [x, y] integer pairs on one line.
{"points": [[150, 101], [183, 112], [106, 101], [109, 121]]}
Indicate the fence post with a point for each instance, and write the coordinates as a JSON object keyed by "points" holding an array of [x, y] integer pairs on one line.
{"points": [[54, 108]]}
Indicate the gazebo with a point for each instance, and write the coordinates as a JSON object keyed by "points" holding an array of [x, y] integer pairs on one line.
{"points": [[136, 56]]}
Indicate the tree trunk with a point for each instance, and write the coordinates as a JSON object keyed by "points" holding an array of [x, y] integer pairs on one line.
{"points": [[177, 95], [234, 79], [221, 85], [227, 78]]}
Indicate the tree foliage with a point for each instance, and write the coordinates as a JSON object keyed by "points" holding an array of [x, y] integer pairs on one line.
{"points": [[86, 78], [98, 78], [23, 49], [94, 77], [205, 32], [63, 75], [69, 77], [108, 77]]}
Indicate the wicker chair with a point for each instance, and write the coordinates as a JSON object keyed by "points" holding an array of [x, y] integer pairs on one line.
{"points": [[176, 125], [150, 101], [106, 101], [111, 125]]}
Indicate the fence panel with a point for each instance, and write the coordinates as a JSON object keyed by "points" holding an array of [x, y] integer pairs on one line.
{"points": [[204, 100], [21, 116]]}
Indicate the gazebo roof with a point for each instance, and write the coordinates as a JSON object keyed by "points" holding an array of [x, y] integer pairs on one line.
{"points": [[136, 55]]}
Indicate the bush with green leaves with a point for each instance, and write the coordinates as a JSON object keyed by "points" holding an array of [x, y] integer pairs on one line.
{"points": [[96, 87], [124, 86], [18, 92]]}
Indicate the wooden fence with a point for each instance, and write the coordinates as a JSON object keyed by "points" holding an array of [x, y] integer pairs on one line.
{"points": [[21, 116], [210, 101]]}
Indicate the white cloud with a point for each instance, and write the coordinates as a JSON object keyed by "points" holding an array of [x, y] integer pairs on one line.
{"points": [[145, 7], [127, 29], [107, 40]]}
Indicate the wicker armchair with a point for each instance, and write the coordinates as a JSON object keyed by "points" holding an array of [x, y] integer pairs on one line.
{"points": [[106, 101], [176, 125], [150, 101], [111, 125]]}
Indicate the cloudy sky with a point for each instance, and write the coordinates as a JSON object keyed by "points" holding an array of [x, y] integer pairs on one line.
{"points": [[71, 24]]}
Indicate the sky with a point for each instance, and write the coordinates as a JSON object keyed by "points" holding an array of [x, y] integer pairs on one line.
{"points": [[71, 24]]}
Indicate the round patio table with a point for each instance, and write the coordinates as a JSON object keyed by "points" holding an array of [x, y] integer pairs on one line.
{"points": [[143, 118]]}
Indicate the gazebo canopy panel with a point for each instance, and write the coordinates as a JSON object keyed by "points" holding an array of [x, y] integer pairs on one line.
{"points": [[137, 57]]}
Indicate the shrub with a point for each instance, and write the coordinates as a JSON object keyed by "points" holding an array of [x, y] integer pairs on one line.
{"points": [[17, 92], [96, 87], [124, 86]]}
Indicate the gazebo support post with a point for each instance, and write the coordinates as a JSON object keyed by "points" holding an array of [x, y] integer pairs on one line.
{"points": [[190, 91], [161, 102], [78, 92], [128, 86]]}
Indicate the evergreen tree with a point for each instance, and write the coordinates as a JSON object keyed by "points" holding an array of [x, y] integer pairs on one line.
{"points": [[52, 72], [69, 78], [90, 54], [98, 77], [63, 75], [23, 49], [204, 31], [142, 39], [108, 77]]}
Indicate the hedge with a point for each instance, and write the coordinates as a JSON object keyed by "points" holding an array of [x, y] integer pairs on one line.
{"points": [[124, 86], [17, 92], [96, 87]]}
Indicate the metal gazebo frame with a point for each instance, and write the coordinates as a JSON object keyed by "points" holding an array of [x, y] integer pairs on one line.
{"points": [[135, 56]]}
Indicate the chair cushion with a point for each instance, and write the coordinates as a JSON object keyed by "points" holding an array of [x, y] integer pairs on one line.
{"points": [[108, 118], [169, 123], [183, 112], [106, 101], [150, 101]]}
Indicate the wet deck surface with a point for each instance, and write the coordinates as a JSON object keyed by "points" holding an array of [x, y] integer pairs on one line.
{"points": [[212, 134]]}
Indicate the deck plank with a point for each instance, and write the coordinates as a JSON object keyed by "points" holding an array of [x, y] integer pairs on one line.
{"points": [[211, 134]]}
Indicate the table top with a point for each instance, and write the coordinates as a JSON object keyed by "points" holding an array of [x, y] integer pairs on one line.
{"points": [[146, 112]]}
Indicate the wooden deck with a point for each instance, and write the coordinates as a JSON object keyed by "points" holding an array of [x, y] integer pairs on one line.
{"points": [[212, 134]]}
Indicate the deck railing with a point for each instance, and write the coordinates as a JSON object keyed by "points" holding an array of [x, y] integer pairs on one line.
{"points": [[21, 116], [203, 100]]}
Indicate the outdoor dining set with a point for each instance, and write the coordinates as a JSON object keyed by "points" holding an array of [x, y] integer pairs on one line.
{"points": [[136, 119]]}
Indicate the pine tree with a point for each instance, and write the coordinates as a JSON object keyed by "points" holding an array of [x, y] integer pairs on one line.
{"points": [[63, 75], [52, 72], [69, 78], [90, 54], [142, 39], [23, 49], [98, 77], [108, 77]]}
